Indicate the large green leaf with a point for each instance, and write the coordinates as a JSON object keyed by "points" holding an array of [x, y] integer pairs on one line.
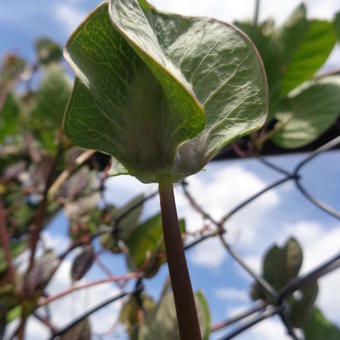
{"points": [[144, 80], [313, 51], [318, 327], [307, 112]]}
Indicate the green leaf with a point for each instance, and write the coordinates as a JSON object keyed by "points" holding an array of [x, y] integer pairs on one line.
{"points": [[307, 112], [312, 52], [146, 247], [290, 35], [9, 117], [318, 327], [162, 324], [11, 68], [337, 25], [140, 97], [52, 97], [48, 51], [282, 264], [82, 263], [299, 309]]}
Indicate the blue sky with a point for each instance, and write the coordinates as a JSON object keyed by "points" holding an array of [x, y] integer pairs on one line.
{"points": [[222, 185]]}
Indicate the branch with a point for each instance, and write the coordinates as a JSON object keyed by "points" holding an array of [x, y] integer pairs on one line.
{"points": [[88, 285], [5, 243], [238, 317], [263, 284], [251, 323], [90, 312], [256, 12]]}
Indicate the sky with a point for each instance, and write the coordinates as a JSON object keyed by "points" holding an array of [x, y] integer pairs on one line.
{"points": [[222, 185]]}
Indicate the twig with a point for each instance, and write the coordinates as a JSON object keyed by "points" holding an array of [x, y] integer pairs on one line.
{"points": [[255, 196], [5, 243], [88, 285], [220, 325], [256, 12], [195, 205], [288, 326], [242, 328], [273, 166], [301, 281], [90, 312], [46, 322], [263, 284]]}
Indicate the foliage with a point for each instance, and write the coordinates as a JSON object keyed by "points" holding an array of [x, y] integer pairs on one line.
{"points": [[163, 103]]}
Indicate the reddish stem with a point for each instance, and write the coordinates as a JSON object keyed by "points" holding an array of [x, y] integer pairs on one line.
{"points": [[179, 275]]}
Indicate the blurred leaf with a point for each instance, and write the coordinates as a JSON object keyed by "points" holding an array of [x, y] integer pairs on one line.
{"points": [[11, 68], [76, 183], [14, 313], [282, 264], [41, 274], [146, 247], [307, 112], [337, 25], [9, 117], [312, 52], [13, 171], [290, 35], [162, 323], [48, 51], [52, 97], [299, 309], [318, 327], [131, 315], [81, 331], [82, 263], [126, 226]]}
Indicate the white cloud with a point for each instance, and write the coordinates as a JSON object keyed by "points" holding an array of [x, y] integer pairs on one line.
{"points": [[232, 294], [69, 16]]}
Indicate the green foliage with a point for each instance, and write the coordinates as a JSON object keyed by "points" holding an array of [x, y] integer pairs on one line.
{"points": [[145, 94], [318, 327], [48, 51], [161, 323], [304, 105], [82, 263], [9, 117]]}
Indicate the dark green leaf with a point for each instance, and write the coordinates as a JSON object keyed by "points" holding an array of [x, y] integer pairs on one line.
{"points": [[307, 112], [300, 307], [318, 327], [82, 263], [145, 92], [146, 247], [9, 117], [337, 25], [281, 265], [48, 51], [312, 52]]}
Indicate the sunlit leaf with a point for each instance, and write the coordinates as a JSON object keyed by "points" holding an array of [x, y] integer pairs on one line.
{"points": [[139, 96], [307, 112]]}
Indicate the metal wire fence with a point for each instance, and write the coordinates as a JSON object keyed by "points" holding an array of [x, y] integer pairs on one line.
{"points": [[260, 311]]}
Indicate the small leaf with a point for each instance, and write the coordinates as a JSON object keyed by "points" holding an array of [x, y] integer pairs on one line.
{"points": [[281, 265], [146, 247], [318, 327], [9, 116], [82, 263], [81, 331], [307, 112], [48, 51]]}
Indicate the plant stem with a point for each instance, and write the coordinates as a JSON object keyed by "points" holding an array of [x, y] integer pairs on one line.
{"points": [[179, 275]]}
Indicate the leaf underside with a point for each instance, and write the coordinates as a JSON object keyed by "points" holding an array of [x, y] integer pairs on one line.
{"points": [[161, 93]]}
